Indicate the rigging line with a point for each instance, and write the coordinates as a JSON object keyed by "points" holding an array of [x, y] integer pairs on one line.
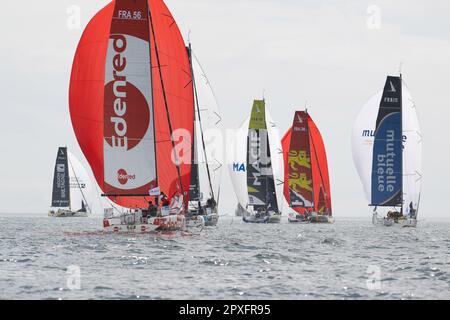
{"points": [[165, 102], [78, 183], [200, 121]]}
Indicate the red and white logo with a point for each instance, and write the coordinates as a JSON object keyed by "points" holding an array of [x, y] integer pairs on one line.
{"points": [[126, 113], [123, 177]]}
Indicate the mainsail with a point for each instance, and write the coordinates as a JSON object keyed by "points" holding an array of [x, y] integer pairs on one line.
{"points": [[72, 187], [373, 138], [260, 178], [131, 101], [61, 182], [307, 182]]}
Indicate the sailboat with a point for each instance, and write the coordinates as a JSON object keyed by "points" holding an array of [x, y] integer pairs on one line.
{"points": [[131, 106], [256, 170], [72, 189], [387, 151], [204, 190], [306, 178]]}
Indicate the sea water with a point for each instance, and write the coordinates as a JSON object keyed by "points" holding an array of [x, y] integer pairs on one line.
{"points": [[50, 258]]}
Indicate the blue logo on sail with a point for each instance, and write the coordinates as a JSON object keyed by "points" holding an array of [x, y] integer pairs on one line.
{"points": [[387, 162]]}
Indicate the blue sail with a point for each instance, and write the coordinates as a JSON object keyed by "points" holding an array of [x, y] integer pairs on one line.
{"points": [[387, 165]]}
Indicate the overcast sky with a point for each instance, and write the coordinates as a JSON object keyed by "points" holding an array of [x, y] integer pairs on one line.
{"points": [[333, 54]]}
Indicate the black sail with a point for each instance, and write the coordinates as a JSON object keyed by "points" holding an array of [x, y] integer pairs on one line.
{"points": [[387, 165], [61, 182], [260, 180]]}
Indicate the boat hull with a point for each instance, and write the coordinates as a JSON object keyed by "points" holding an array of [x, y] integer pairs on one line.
{"points": [[211, 220], [61, 213], [315, 219], [130, 223], [273, 219], [195, 223], [321, 219], [389, 222]]}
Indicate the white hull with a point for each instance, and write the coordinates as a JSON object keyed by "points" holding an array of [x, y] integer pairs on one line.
{"points": [[195, 223], [135, 223], [389, 222], [210, 219], [61, 213]]}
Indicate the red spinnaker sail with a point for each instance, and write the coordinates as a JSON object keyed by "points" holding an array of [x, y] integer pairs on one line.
{"points": [[296, 162], [117, 104]]}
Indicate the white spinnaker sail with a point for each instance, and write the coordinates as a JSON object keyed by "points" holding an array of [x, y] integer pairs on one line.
{"points": [[81, 189], [412, 155], [237, 157], [211, 124], [362, 147], [276, 150]]}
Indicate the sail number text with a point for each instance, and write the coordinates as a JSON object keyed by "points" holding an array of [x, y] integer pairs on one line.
{"points": [[130, 15]]}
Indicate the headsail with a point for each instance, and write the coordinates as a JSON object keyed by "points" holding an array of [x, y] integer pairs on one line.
{"points": [[81, 189], [321, 176], [130, 95], [207, 161], [61, 181], [237, 159]]}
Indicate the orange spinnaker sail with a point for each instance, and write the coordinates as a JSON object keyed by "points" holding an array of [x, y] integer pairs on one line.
{"points": [[88, 106], [315, 158]]}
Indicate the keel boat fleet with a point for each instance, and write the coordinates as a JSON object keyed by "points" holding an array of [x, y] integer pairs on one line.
{"points": [[145, 117]]}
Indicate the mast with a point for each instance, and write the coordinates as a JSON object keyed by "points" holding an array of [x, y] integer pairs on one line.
{"points": [[194, 184], [401, 130], [153, 99], [197, 108], [309, 149], [165, 101]]}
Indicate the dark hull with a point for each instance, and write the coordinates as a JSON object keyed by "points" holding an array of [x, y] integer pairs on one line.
{"points": [[264, 220]]}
